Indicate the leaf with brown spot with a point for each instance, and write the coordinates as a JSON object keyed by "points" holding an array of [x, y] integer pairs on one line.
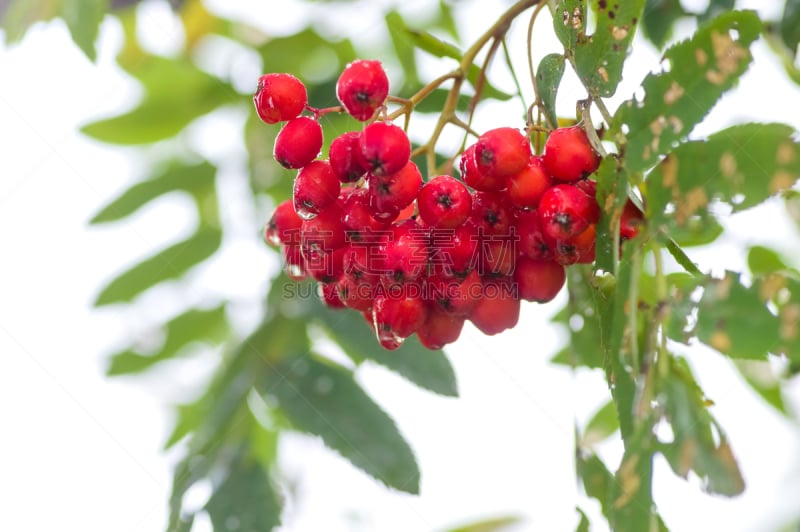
{"points": [[699, 71]]}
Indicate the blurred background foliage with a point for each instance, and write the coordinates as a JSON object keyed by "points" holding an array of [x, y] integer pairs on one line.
{"points": [[273, 379]]}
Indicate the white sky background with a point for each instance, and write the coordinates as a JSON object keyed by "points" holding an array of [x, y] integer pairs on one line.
{"points": [[80, 452]]}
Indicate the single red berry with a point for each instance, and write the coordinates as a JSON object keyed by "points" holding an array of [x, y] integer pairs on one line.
{"points": [[357, 217], [279, 97], [502, 152], [564, 212], [444, 202], [498, 254], [315, 189], [298, 142], [345, 157], [568, 154], [293, 262], [362, 88], [538, 280], [526, 187], [385, 148], [474, 177], [453, 295], [532, 242], [498, 307], [323, 233], [454, 252], [406, 254], [398, 315], [589, 187], [439, 329], [389, 194], [324, 266], [631, 221], [329, 294], [356, 294], [491, 213], [284, 225], [578, 249]]}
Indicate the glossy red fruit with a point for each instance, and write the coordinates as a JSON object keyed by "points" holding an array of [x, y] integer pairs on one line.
{"points": [[502, 152], [439, 329], [578, 249], [491, 213], [398, 315], [329, 294], [453, 295], [279, 97], [293, 262], [356, 294], [406, 254], [532, 242], [357, 217], [284, 225], [631, 221], [323, 233], [385, 148], [568, 154], [498, 254], [454, 252], [298, 142], [389, 194], [362, 87], [474, 177], [538, 280], [315, 188], [498, 308], [324, 266], [444, 202], [345, 157], [564, 212], [526, 187], [589, 187]]}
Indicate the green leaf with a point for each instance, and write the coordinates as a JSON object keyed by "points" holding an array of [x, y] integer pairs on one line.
{"points": [[497, 524], [582, 323], [246, 500], [300, 53], [177, 92], [699, 230], [734, 320], [762, 379], [658, 19], [22, 14], [323, 399], [169, 263], [595, 478], [603, 424], [195, 179], [715, 9], [790, 25], [403, 47], [699, 71], [435, 101], [425, 368], [209, 326], [741, 166], [548, 78], [612, 193], [762, 261], [695, 447], [83, 18], [446, 21], [569, 21], [599, 58], [583, 525]]}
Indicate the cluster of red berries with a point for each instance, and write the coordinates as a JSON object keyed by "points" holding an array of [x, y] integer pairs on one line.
{"points": [[423, 257]]}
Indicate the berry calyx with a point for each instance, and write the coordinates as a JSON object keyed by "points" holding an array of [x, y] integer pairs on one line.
{"points": [[298, 142], [474, 177], [279, 97], [362, 88]]}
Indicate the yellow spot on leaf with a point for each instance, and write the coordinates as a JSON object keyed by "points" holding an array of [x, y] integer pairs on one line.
{"points": [[786, 153], [619, 33], [629, 481], [700, 56], [727, 164], [669, 167], [781, 181], [676, 124], [674, 92], [728, 55], [603, 73], [790, 321], [689, 204], [686, 458], [720, 341], [771, 286]]}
